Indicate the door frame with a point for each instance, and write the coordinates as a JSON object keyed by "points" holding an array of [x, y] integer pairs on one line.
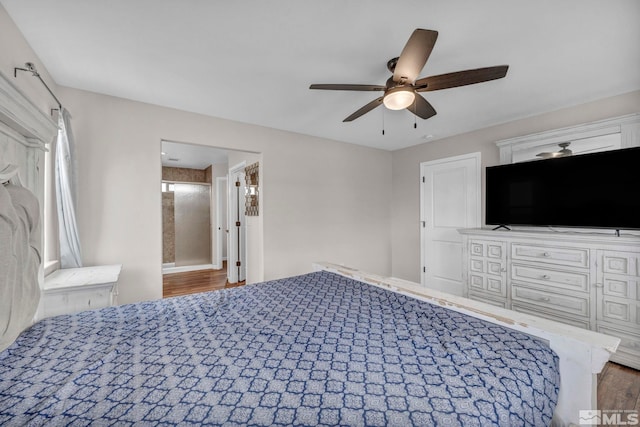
{"points": [[423, 234]]}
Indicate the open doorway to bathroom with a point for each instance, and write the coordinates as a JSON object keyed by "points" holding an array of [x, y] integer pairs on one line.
{"points": [[195, 210]]}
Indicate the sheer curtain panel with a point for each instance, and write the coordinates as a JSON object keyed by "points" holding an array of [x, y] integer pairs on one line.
{"points": [[70, 254]]}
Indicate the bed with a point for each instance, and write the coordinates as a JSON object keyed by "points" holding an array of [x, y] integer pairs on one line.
{"points": [[316, 349], [335, 346]]}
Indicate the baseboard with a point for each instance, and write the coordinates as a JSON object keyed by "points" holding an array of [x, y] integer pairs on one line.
{"points": [[182, 269]]}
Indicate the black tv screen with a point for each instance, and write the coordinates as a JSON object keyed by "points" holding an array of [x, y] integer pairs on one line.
{"points": [[599, 190]]}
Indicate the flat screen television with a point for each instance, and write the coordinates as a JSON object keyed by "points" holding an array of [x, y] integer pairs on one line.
{"points": [[597, 190]]}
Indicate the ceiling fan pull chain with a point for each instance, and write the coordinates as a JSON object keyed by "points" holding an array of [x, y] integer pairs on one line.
{"points": [[383, 121]]}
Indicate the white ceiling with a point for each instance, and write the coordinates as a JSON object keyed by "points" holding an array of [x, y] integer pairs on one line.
{"points": [[177, 154], [253, 60]]}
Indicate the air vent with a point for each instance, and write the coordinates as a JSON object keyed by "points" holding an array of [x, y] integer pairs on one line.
{"points": [[173, 159]]}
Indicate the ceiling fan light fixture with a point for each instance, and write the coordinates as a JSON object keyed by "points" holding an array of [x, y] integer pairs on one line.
{"points": [[399, 98]]}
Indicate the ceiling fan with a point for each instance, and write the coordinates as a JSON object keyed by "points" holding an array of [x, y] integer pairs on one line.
{"points": [[564, 151], [401, 89]]}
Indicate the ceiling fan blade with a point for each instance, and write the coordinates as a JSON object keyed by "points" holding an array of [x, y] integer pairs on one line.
{"points": [[422, 108], [461, 78], [553, 155], [414, 55], [564, 151], [347, 87], [364, 110]]}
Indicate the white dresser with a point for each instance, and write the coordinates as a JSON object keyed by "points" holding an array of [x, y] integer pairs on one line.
{"points": [[589, 280], [71, 290]]}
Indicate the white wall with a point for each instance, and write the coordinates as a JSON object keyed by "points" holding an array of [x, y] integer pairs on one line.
{"points": [[321, 199], [15, 52], [405, 209]]}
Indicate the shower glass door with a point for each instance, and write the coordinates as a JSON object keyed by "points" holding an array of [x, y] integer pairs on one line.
{"points": [[192, 224]]}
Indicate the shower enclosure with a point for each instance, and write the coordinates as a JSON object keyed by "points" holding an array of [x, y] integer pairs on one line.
{"points": [[186, 211]]}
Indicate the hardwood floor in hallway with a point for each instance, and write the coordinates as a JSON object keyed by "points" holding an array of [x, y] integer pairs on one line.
{"points": [[191, 282]]}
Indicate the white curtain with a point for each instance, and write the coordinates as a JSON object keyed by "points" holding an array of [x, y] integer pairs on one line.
{"points": [[70, 255]]}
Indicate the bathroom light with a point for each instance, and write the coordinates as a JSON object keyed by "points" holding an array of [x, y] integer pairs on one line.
{"points": [[399, 97]]}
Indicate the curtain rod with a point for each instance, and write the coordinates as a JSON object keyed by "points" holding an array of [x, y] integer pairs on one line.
{"points": [[32, 69]]}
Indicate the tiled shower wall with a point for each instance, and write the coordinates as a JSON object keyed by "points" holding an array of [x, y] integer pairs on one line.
{"points": [[168, 228]]}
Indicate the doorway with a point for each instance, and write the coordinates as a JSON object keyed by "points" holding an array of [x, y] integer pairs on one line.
{"points": [[191, 163], [450, 198], [189, 207]]}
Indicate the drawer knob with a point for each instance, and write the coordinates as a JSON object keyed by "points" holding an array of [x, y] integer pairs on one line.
{"points": [[545, 254], [545, 299], [546, 277]]}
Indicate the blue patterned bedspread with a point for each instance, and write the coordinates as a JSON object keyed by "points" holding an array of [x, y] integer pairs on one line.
{"points": [[317, 349]]}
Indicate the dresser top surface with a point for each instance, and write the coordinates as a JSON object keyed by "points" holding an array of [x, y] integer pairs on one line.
{"points": [[73, 277], [602, 237]]}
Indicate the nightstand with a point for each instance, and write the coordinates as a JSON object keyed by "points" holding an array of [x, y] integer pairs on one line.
{"points": [[71, 290]]}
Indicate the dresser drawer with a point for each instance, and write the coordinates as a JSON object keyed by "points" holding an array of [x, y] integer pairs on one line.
{"points": [[560, 304], [69, 301], [551, 255], [619, 310], [550, 277], [487, 248], [580, 323], [495, 286], [625, 263], [621, 286], [479, 265]]}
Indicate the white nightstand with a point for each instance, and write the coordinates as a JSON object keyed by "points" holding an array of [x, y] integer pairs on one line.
{"points": [[71, 290]]}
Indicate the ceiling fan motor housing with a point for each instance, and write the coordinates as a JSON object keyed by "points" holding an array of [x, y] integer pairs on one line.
{"points": [[391, 64]]}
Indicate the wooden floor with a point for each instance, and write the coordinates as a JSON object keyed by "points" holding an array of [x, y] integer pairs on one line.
{"points": [[191, 282], [618, 386]]}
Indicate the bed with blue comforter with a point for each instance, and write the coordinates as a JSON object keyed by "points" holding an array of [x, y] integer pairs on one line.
{"points": [[316, 349]]}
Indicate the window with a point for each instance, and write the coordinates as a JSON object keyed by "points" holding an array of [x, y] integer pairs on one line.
{"points": [[50, 220], [168, 187]]}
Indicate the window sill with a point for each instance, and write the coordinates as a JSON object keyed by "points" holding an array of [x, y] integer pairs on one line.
{"points": [[51, 266]]}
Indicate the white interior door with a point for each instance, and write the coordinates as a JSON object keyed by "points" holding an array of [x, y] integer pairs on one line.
{"points": [[236, 244], [450, 199], [221, 220]]}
